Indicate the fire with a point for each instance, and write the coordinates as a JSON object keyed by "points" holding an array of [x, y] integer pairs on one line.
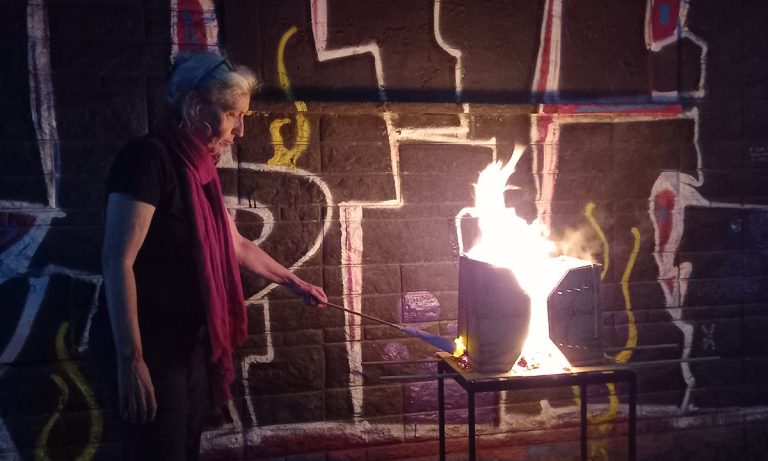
{"points": [[506, 240], [460, 347]]}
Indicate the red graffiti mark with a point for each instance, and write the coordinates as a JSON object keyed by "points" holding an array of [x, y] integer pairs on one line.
{"points": [[543, 127], [190, 32], [663, 207], [658, 110], [13, 226], [665, 19]]}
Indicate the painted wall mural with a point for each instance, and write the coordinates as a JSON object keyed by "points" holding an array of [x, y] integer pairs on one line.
{"points": [[356, 167]]}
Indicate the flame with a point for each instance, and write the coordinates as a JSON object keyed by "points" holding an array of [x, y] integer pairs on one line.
{"points": [[460, 347], [506, 240]]}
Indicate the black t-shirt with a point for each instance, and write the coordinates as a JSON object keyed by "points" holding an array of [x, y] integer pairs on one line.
{"points": [[169, 307]]}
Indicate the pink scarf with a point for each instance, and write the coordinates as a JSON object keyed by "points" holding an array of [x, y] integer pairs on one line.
{"points": [[214, 253]]}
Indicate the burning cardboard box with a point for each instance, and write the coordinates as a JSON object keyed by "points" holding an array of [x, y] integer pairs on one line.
{"points": [[494, 314], [496, 320]]}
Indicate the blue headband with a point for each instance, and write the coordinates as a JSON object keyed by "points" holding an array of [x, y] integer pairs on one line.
{"points": [[192, 70]]}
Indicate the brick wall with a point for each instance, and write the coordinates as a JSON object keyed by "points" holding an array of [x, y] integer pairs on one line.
{"points": [[644, 126]]}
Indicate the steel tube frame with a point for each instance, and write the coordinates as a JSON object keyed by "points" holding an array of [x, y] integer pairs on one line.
{"points": [[475, 383]]}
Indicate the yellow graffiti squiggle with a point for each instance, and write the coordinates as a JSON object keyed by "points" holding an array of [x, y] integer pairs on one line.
{"points": [[603, 420], [96, 423], [606, 248], [284, 156], [42, 438], [624, 356]]}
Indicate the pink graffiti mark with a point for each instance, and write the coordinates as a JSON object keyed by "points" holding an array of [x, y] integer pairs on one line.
{"points": [[664, 206], [191, 34], [13, 226], [665, 19]]}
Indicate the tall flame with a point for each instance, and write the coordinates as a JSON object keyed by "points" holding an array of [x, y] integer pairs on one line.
{"points": [[506, 240]]}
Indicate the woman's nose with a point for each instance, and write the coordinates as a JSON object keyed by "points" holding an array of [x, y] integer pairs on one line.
{"points": [[239, 129]]}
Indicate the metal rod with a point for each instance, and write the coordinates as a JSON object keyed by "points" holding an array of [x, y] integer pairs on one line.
{"points": [[439, 342], [366, 316], [400, 362], [637, 348], [417, 377], [670, 361], [441, 408], [583, 419], [471, 416], [632, 418]]}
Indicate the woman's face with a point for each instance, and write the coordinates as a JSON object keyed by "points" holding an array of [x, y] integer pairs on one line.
{"points": [[227, 124]]}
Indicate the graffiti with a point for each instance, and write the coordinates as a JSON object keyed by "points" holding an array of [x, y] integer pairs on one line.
{"points": [[194, 26], [708, 341], [260, 300], [41, 96], [420, 306], [604, 421], [404, 164], [624, 356], [606, 248], [95, 427], [42, 439], [283, 155]]}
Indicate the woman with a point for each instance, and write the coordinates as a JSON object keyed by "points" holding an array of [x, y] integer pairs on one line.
{"points": [[170, 259]]}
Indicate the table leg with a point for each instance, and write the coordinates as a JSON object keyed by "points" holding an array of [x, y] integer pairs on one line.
{"points": [[441, 408], [632, 417], [471, 416], [583, 420]]}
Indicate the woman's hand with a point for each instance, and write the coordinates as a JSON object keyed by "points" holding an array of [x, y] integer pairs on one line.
{"points": [[312, 295], [138, 404]]}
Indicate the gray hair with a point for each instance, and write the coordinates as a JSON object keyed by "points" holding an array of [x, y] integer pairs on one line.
{"points": [[200, 83]]}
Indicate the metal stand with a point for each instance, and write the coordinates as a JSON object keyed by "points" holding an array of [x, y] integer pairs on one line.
{"points": [[474, 383]]}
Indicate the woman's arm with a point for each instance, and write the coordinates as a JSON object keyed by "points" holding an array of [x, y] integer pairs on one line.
{"points": [[256, 260], [126, 227]]}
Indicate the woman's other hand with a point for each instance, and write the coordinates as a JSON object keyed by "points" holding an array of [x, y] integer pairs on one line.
{"points": [[138, 404]]}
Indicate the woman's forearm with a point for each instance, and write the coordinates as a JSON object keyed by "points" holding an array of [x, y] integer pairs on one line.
{"points": [[126, 227], [256, 260], [120, 285]]}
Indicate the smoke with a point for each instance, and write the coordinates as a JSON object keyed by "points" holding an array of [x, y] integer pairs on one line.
{"points": [[581, 243]]}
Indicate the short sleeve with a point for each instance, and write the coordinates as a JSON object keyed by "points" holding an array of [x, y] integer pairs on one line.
{"points": [[138, 171]]}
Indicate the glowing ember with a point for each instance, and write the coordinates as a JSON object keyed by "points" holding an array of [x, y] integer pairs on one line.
{"points": [[506, 240]]}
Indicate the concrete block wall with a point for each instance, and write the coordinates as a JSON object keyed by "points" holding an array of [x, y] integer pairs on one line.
{"points": [[644, 125]]}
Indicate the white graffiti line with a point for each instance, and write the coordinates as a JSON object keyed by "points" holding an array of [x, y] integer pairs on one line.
{"points": [[98, 281], [37, 286], [313, 178], [351, 220], [7, 448], [682, 31], [15, 259], [260, 298], [451, 50], [253, 359], [546, 78], [319, 12], [41, 95], [267, 218], [209, 21]]}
